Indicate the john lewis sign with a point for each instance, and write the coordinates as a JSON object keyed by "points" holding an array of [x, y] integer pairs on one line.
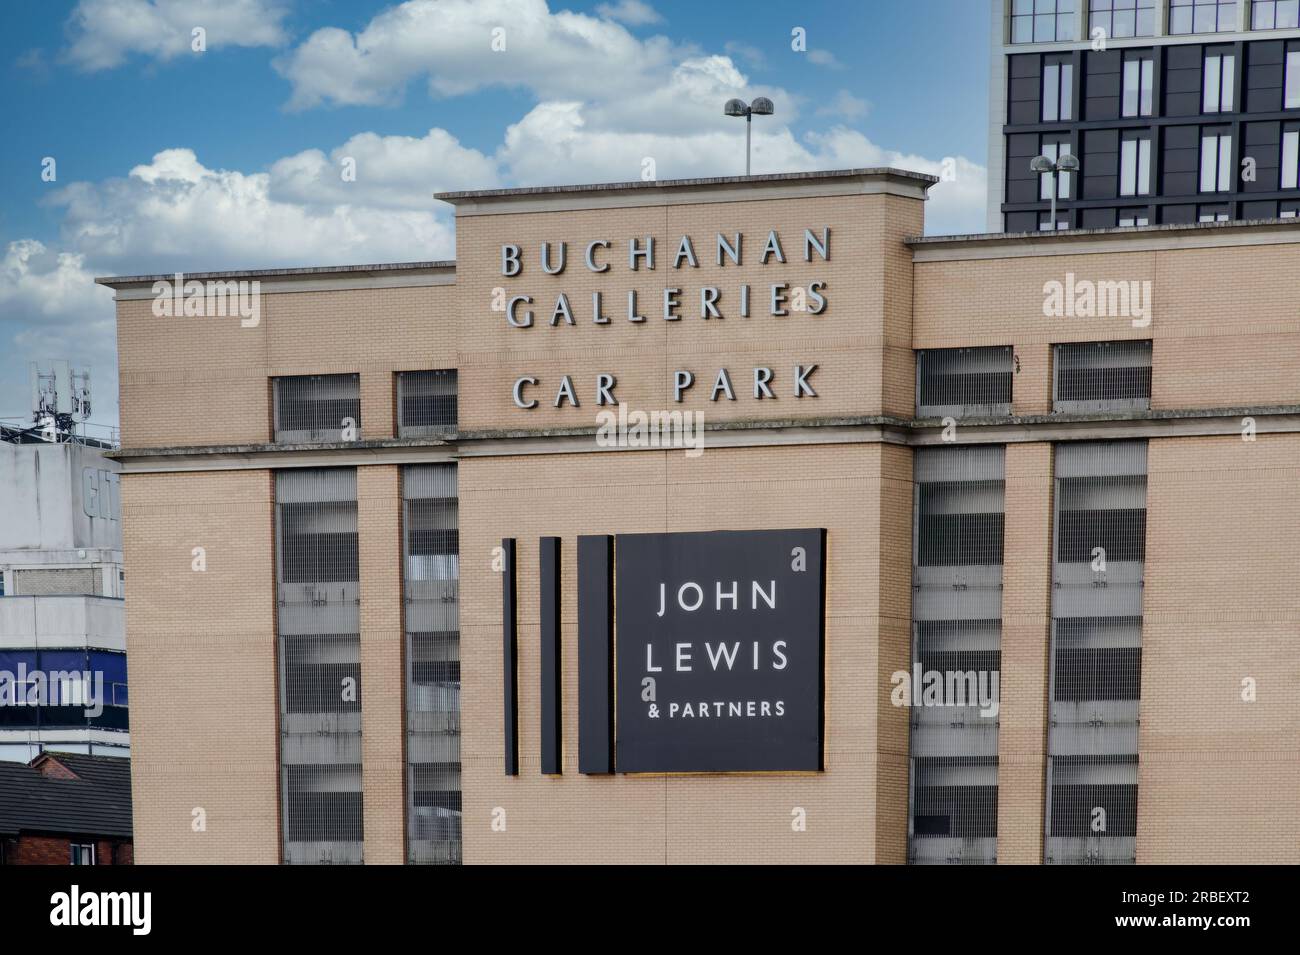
{"points": [[720, 656]]}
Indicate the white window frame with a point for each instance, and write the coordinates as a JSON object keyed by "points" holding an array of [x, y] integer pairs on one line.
{"points": [[1135, 166], [1218, 93], [80, 851], [1255, 6], [1290, 159], [1216, 176], [1058, 81], [1139, 79], [1291, 90]]}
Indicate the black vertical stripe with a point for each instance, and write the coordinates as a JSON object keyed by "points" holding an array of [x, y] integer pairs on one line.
{"points": [[510, 656], [552, 710], [596, 654]]}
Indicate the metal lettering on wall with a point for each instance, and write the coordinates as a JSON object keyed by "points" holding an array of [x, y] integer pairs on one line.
{"points": [[720, 651], [777, 297]]}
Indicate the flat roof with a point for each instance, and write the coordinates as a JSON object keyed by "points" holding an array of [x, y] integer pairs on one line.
{"points": [[316, 271], [670, 184]]}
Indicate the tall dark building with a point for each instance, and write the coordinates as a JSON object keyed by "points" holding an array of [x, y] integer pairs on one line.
{"points": [[1179, 111]]}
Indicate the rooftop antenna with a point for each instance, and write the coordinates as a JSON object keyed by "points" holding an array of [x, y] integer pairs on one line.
{"points": [[60, 398]]}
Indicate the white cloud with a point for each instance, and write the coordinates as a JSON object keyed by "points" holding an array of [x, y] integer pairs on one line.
{"points": [[562, 136], [51, 308], [450, 43], [176, 214], [745, 51], [391, 172], [844, 104], [104, 33], [632, 12], [825, 58]]}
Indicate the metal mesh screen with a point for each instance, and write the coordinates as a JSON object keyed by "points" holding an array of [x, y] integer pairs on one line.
{"points": [[426, 402], [1103, 376], [316, 408], [963, 382], [320, 665], [430, 554], [956, 645], [1096, 652]]}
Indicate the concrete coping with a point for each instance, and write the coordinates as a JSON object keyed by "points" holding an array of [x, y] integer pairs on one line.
{"points": [[718, 189], [453, 437], [759, 181], [304, 273], [1228, 231]]}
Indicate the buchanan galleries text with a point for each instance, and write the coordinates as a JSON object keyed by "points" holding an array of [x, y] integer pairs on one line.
{"points": [[779, 299]]}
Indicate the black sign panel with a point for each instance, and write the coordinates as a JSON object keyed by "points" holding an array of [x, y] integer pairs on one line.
{"points": [[720, 651]]}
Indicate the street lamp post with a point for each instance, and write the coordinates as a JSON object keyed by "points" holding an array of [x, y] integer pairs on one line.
{"points": [[1051, 167], [761, 106]]}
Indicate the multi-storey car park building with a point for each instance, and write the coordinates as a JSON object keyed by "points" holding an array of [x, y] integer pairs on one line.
{"points": [[442, 617], [1178, 111]]}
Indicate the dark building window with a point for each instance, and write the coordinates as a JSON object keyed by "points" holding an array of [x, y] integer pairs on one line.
{"points": [[431, 591], [1043, 21], [1218, 213], [1104, 376], [1133, 217], [1202, 16], [317, 408], [963, 382], [1275, 14], [1122, 18], [426, 401], [956, 631], [82, 853], [1096, 651], [318, 624]]}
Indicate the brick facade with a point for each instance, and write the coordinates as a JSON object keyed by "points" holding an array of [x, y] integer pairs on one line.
{"points": [[1218, 776]]}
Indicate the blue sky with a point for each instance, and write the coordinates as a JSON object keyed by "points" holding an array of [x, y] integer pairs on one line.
{"points": [[170, 159]]}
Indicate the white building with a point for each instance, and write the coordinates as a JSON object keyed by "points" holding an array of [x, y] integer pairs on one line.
{"points": [[61, 608]]}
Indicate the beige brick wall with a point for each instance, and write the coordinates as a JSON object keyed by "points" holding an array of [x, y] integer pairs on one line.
{"points": [[383, 682], [205, 381], [1224, 324], [861, 342], [1219, 778], [573, 818], [1026, 633], [201, 651]]}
